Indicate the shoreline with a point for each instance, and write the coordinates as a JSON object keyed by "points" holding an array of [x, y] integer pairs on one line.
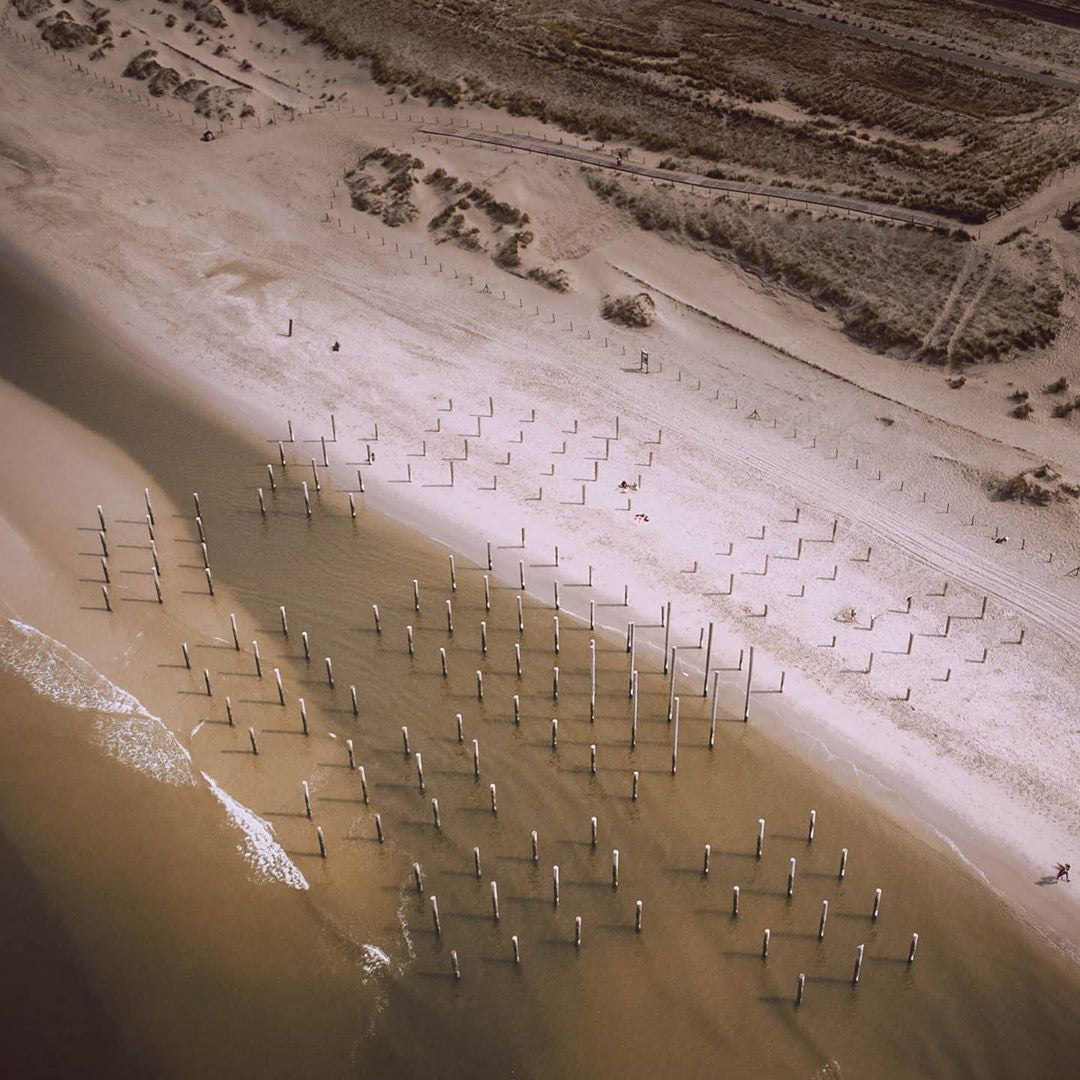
{"points": [[790, 722], [213, 332]]}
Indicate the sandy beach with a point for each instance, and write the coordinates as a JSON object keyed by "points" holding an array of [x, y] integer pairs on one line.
{"points": [[788, 491]]}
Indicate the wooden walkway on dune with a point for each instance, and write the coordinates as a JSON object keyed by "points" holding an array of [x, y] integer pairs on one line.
{"points": [[600, 160]]}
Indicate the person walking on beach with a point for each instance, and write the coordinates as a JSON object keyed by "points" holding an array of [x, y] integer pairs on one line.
{"points": [[1063, 871]]}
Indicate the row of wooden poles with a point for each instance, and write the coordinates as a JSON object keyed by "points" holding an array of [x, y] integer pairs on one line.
{"points": [[670, 668]]}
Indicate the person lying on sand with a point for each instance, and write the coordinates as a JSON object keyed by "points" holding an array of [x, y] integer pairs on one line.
{"points": [[1063, 871], [1001, 539], [625, 485]]}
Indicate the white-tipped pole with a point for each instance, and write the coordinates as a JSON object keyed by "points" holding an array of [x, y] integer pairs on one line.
{"points": [[329, 672], [858, 965], [449, 617], [258, 659], [418, 878], [824, 920], [495, 901], [307, 798], [306, 646], [592, 678], [800, 988], [284, 621], [228, 710], [637, 916], [280, 688], [634, 776], [453, 575], [675, 740], [633, 710], [708, 860], [520, 617], [487, 594], [765, 944], [843, 863], [435, 813], [375, 616], [479, 685], [517, 949], [749, 677], [420, 772], [409, 639], [554, 733], [206, 682], [235, 634], [791, 878], [555, 885], [442, 662], [187, 655], [534, 836], [555, 632], [379, 829], [349, 751], [476, 862], [735, 901], [913, 949], [322, 840], [614, 868], [405, 739], [483, 638], [362, 773], [810, 829], [760, 838], [416, 594], [476, 758], [353, 702], [460, 733], [254, 744], [555, 683], [303, 716], [593, 830], [577, 931], [715, 702], [494, 804], [435, 916], [876, 910]]}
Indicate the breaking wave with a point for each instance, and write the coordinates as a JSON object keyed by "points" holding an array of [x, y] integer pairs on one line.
{"points": [[260, 848], [127, 730]]}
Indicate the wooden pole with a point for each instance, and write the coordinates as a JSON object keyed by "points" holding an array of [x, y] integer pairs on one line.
{"points": [[876, 910], [635, 775], [811, 827], [765, 944], [858, 965], [362, 773], [258, 659], [843, 863], [280, 688], [708, 859], [671, 685], [712, 715], [791, 878], [675, 740], [824, 919], [633, 710], [614, 868], [760, 838], [749, 677], [555, 885], [708, 661], [637, 916]]}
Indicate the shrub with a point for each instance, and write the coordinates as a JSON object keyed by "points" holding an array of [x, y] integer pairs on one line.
{"points": [[636, 310]]}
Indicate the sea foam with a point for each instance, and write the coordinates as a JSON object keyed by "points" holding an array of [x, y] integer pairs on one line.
{"points": [[260, 847], [128, 731]]}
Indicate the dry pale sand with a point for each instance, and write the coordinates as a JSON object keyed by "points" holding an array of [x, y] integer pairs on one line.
{"points": [[200, 253]]}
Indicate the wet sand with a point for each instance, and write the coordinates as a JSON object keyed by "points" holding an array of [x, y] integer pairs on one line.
{"points": [[690, 993]]}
